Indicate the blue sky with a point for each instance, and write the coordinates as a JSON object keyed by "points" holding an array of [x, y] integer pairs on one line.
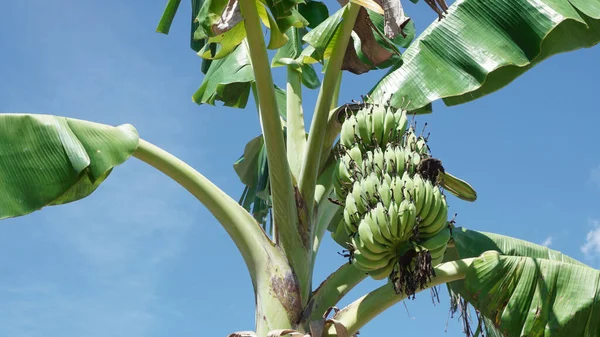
{"points": [[142, 258]]}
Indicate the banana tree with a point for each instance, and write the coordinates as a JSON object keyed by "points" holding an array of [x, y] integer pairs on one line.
{"points": [[362, 171]]}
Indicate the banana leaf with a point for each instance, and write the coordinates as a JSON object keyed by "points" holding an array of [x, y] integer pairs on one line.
{"points": [[481, 46], [50, 160], [228, 79], [524, 296], [368, 49], [471, 243]]}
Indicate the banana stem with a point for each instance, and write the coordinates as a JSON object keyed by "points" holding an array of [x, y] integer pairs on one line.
{"points": [[332, 290], [310, 168], [285, 214], [271, 275], [243, 229], [364, 309], [296, 133]]}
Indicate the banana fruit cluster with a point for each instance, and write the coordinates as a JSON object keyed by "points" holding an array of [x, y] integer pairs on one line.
{"points": [[393, 208]]}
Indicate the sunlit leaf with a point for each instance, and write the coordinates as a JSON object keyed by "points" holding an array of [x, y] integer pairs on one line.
{"points": [[523, 296], [50, 160], [481, 46]]}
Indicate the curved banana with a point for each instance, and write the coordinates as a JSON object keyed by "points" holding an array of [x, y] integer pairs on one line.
{"points": [[383, 272], [378, 121], [368, 239]]}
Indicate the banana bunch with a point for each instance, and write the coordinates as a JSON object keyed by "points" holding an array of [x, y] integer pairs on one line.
{"points": [[392, 208]]}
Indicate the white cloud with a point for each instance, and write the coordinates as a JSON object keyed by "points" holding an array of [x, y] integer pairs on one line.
{"points": [[595, 175], [547, 242], [591, 248]]}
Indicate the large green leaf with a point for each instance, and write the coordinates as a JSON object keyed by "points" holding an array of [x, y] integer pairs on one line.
{"points": [[481, 46], [470, 243], [49, 160], [525, 296]]}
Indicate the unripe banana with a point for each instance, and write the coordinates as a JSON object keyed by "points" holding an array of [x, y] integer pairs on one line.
{"points": [[405, 219], [438, 240], [401, 122], [397, 188], [368, 239], [358, 244], [435, 208], [356, 156], [409, 226], [383, 272], [371, 184], [378, 121], [371, 220], [394, 221], [364, 128], [422, 146], [389, 127], [343, 173], [385, 193], [419, 192], [348, 131], [440, 221], [409, 187], [351, 214], [383, 222], [410, 141], [361, 262], [400, 161], [427, 205], [360, 198], [378, 161]]}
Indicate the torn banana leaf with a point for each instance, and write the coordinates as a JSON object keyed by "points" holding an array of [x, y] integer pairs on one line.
{"points": [[524, 296], [471, 243], [51, 160], [481, 46]]}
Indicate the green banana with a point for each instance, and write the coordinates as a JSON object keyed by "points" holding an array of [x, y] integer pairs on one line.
{"points": [[368, 239], [383, 222], [422, 146], [371, 219], [385, 193], [389, 127], [348, 131], [382, 273], [435, 208], [358, 244], [394, 221], [428, 203], [378, 112], [361, 262], [400, 161], [360, 197], [419, 192], [401, 122], [438, 240], [439, 222], [364, 128]]}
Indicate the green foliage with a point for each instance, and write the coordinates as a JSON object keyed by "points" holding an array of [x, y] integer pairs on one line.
{"points": [[49, 160], [524, 296], [481, 46]]}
